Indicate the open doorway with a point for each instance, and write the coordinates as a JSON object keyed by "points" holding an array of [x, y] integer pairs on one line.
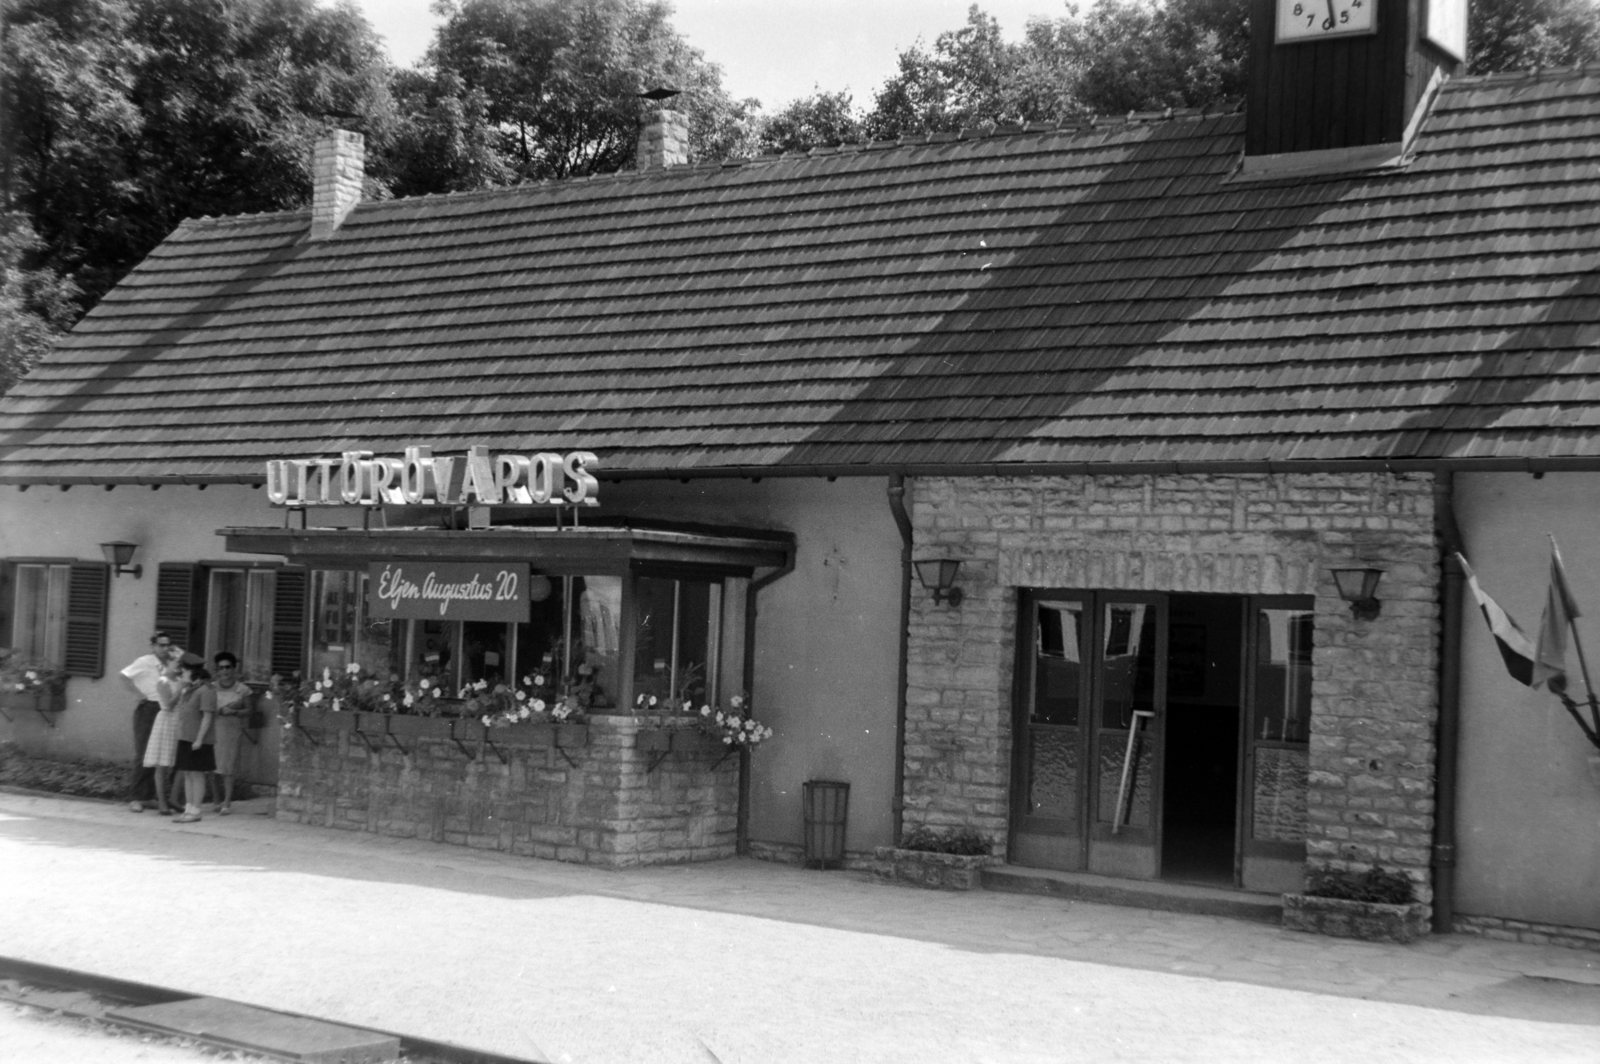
{"points": [[1204, 702]]}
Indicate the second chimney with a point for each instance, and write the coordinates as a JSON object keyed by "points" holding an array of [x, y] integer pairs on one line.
{"points": [[337, 168], [664, 142]]}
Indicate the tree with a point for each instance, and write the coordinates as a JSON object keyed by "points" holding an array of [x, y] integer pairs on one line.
{"points": [[811, 121], [1506, 35], [559, 81], [124, 117], [36, 306]]}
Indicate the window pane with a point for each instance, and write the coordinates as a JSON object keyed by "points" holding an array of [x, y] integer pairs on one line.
{"points": [[1283, 675], [483, 651], [434, 653], [596, 639], [225, 613], [1130, 657], [655, 605], [693, 641], [1058, 658], [40, 630], [540, 639], [255, 652], [335, 598]]}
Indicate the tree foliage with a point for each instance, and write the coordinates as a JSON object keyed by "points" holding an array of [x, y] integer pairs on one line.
{"points": [[1506, 35], [36, 305], [821, 118], [551, 87]]}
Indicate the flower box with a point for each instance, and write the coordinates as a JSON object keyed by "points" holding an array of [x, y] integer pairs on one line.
{"points": [[526, 733], [36, 699], [937, 871], [653, 740], [1368, 920], [414, 726], [569, 736], [323, 719]]}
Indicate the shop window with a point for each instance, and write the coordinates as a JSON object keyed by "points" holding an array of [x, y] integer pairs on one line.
{"points": [[55, 612], [256, 612], [1283, 674], [676, 639]]}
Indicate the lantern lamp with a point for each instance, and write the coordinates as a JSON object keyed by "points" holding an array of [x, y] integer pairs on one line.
{"points": [[1359, 587], [118, 555], [939, 576]]}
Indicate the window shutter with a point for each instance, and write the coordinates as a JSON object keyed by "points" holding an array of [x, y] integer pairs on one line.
{"points": [[289, 623], [8, 600], [88, 590], [180, 603]]}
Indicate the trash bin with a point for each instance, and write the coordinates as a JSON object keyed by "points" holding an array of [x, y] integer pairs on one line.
{"points": [[827, 804]]}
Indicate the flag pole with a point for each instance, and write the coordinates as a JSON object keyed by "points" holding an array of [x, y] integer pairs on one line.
{"points": [[1583, 660], [1572, 707]]}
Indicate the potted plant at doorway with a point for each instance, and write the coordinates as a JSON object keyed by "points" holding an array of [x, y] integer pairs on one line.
{"points": [[942, 860], [1374, 904]]}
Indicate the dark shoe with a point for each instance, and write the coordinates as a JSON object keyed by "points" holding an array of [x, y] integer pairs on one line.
{"points": [[164, 811]]}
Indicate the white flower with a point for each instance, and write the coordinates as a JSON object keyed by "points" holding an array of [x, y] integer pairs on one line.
{"points": [[327, 673], [725, 739], [23, 687], [30, 674], [522, 696], [316, 696], [705, 711], [652, 702], [481, 685], [538, 705], [486, 722], [353, 668], [538, 681], [523, 715], [335, 709], [737, 701], [408, 699]]}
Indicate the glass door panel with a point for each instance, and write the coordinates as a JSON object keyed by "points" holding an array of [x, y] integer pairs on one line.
{"points": [[1277, 753], [1050, 733], [1127, 740]]}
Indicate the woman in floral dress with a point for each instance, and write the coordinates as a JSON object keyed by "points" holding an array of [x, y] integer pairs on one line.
{"points": [[162, 752]]}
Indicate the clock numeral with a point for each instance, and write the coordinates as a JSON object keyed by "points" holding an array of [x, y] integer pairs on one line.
{"points": [[1327, 23], [1298, 11], [1344, 16], [1310, 19]]}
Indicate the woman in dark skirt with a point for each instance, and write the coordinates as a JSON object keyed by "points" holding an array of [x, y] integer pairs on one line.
{"points": [[196, 713]]}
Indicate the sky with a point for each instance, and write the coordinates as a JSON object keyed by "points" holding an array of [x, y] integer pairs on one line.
{"points": [[775, 50]]}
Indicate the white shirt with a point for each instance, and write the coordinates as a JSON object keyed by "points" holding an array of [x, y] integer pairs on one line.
{"points": [[143, 674]]}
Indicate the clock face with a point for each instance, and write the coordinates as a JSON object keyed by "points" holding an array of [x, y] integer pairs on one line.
{"points": [[1317, 20]]}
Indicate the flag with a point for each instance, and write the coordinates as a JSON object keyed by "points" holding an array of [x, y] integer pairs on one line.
{"points": [[1516, 649], [1550, 655]]}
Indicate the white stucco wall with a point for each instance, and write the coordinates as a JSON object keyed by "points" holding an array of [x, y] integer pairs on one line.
{"points": [[827, 640], [174, 524], [1529, 792]]}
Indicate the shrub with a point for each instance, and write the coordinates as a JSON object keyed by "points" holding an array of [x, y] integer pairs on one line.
{"points": [[1374, 885], [964, 841]]}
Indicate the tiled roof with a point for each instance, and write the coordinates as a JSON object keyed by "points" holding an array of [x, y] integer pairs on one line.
{"points": [[1097, 295]]}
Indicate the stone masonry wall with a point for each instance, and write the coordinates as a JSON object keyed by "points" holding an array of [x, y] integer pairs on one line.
{"points": [[609, 809], [1374, 696]]}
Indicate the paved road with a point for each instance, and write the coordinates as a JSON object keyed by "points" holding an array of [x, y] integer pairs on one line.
{"points": [[739, 962]]}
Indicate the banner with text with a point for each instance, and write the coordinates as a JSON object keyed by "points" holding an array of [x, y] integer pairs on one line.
{"points": [[447, 591]]}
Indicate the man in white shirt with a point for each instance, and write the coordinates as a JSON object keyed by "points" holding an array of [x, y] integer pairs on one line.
{"points": [[142, 674]]}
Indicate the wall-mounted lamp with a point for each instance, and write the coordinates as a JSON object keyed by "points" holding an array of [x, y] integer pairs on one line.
{"points": [[118, 555], [939, 576], [1359, 587]]}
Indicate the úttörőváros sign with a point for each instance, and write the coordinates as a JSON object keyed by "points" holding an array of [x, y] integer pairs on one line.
{"points": [[447, 591], [421, 478]]}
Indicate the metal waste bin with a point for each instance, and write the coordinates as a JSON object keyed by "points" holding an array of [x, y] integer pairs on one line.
{"points": [[827, 805]]}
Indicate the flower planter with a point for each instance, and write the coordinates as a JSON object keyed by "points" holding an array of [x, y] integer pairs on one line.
{"points": [[937, 871], [526, 733], [653, 740], [569, 736], [34, 700], [1368, 920], [413, 726], [322, 719]]}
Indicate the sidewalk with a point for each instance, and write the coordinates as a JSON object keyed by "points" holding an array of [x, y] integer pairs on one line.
{"points": [[741, 962]]}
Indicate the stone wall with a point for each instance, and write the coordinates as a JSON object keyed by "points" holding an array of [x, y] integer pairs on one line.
{"points": [[609, 807], [1374, 694]]}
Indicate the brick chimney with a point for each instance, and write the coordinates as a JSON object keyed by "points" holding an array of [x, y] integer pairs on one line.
{"points": [[664, 142], [337, 167]]}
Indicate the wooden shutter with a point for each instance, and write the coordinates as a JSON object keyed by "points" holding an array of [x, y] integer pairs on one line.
{"points": [[8, 600], [289, 623], [181, 603], [88, 591]]}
